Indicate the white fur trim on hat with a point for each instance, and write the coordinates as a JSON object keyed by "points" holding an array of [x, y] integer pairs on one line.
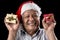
{"points": [[28, 6]]}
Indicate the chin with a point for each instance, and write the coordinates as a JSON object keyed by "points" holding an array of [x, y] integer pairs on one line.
{"points": [[32, 28]]}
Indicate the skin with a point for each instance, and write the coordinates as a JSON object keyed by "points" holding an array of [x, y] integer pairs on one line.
{"points": [[31, 22]]}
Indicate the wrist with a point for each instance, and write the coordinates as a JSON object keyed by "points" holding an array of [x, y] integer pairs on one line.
{"points": [[51, 35], [11, 35], [49, 30], [12, 32]]}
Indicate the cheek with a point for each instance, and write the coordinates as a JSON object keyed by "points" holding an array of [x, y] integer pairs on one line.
{"points": [[37, 20], [24, 21]]}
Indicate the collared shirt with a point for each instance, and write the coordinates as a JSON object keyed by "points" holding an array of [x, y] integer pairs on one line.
{"points": [[39, 35]]}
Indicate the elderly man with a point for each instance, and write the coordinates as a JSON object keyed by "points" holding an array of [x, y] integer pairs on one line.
{"points": [[29, 29]]}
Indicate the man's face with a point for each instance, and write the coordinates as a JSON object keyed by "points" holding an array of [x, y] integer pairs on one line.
{"points": [[30, 20]]}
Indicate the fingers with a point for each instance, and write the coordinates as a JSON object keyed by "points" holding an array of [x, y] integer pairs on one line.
{"points": [[6, 24], [53, 22], [44, 24], [17, 21], [43, 21], [49, 24], [11, 26], [17, 24]]}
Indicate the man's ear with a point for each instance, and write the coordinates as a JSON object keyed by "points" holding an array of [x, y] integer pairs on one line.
{"points": [[39, 20]]}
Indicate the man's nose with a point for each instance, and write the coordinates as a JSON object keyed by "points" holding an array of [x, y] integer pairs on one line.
{"points": [[31, 18]]}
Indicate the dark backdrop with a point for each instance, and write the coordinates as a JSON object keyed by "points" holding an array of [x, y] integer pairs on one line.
{"points": [[47, 6]]}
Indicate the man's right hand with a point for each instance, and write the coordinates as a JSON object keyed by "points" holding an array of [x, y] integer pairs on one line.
{"points": [[12, 28]]}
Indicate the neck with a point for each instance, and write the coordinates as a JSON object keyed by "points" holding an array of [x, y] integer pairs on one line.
{"points": [[31, 33]]}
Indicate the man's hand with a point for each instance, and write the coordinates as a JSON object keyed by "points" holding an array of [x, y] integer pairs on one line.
{"points": [[49, 24], [12, 28], [49, 28]]}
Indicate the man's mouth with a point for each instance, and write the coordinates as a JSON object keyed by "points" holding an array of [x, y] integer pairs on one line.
{"points": [[32, 23]]}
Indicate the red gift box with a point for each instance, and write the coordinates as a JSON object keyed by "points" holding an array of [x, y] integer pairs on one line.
{"points": [[48, 17]]}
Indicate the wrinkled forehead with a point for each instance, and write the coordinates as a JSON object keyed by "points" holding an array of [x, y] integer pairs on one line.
{"points": [[31, 11]]}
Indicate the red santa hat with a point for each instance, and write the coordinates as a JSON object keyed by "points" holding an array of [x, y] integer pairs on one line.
{"points": [[27, 6]]}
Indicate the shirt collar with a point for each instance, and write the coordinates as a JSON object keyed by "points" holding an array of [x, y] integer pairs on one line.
{"points": [[23, 32]]}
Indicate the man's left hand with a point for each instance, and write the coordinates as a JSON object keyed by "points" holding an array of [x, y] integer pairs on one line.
{"points": [[49, 25]]}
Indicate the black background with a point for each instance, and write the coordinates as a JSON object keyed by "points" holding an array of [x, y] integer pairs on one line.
{"points": [[11, 6]]}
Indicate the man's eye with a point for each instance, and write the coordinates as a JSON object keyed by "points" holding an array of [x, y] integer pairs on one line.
{"points": [[26, 16], [35, 16]]}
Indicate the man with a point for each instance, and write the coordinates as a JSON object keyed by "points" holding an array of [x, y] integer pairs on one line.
{"points": [[30, 29]]}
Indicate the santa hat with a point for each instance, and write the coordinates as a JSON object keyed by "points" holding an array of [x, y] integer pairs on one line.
{"points": [[27, 6]]}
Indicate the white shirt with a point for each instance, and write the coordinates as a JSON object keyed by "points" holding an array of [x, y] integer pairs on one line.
{"points": [[39, 35]]}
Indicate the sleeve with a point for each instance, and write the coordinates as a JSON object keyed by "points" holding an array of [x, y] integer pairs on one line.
{"points": [[18, 35], [46, 38], [44, 35]]}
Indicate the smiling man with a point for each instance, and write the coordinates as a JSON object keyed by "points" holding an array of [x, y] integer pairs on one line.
{"points": [[29, 14]]}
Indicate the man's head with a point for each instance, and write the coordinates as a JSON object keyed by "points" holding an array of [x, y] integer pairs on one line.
{"points": [[30, 13], [30, 20]]}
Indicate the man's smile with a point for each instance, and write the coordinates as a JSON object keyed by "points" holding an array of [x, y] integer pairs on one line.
{"points": [[31, 23]]}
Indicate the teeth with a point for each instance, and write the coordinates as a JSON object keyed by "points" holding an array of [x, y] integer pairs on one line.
{"points": [[31, 23]]}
